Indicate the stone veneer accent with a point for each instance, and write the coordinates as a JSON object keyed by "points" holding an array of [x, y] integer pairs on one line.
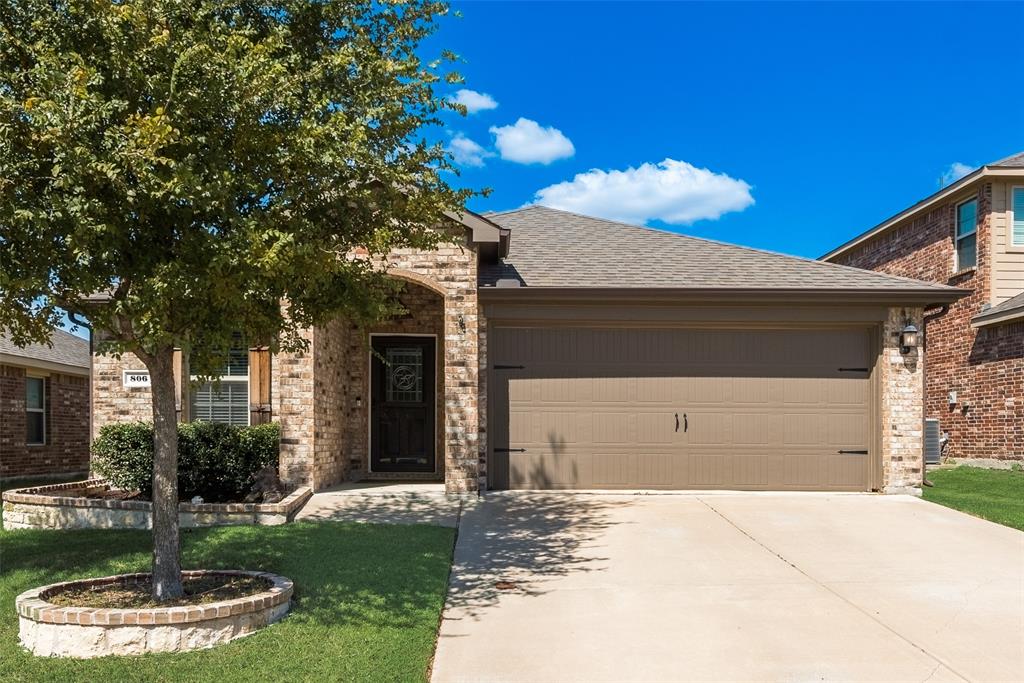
{"points": [[43, 507], [48, 630], [902, 406]]}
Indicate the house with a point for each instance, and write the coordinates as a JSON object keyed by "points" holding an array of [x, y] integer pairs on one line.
{"points": [[547, 350], [969, 235], [44, 407]]}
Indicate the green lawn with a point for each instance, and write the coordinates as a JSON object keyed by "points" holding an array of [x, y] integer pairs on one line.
{"points": [[996, 495], [367, 600]]}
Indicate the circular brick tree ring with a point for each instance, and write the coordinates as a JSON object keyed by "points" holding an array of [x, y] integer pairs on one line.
{"points": [[51, 630]]}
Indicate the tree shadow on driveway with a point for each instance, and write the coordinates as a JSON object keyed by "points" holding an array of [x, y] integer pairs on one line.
{"points": [[521, 541]]}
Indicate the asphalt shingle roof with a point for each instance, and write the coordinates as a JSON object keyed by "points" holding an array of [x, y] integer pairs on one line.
{"points": [[67, 349], [1012, 161], [553, 248], [1013, 305]]}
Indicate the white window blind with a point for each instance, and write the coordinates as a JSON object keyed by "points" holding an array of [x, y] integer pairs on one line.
{"points": [[1017, 206], [228, 403], [228, 400]]}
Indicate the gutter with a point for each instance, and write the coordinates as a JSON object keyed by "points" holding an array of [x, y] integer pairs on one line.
{"points": [[600, 295], [984, 320]]}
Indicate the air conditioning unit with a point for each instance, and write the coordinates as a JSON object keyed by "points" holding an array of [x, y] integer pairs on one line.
{"points": [[932, 441]]}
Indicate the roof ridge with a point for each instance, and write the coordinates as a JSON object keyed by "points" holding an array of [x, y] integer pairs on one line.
{"points": [[730, 245]]}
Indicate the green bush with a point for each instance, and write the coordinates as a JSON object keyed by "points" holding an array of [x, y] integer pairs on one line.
{"points": [[215, 461]]}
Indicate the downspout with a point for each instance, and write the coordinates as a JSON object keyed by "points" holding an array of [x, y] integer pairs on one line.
{"points": [[928, 317]]}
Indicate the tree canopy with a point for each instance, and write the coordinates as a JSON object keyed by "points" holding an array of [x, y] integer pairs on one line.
{"points": [[174, 171], [202, 161]]}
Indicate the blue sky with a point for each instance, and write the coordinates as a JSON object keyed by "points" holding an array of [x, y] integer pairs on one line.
{"points": [[835, 115]]}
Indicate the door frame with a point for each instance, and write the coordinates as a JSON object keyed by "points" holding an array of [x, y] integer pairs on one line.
{"points": [[369, 399]]}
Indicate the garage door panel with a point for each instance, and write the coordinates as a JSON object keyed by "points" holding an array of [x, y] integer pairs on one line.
{"points": [[614, 470], [655, 428], [754, 429], [764, 409], [810, 429]]}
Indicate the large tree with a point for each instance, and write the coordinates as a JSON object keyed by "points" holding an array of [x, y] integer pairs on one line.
{"points": [[175, 170]]}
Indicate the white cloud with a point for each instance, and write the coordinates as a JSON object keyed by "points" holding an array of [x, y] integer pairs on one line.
{"points": [[466, 152], [474, 101], [527, 142], [955, 172], [672, 191]]}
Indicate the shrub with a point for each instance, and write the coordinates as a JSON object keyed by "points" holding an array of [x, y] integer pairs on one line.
{"points": [[215, 461]]}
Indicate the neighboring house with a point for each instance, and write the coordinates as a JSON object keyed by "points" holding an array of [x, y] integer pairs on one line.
{"points": [[543, 349], [969, 234], [44, 407]]}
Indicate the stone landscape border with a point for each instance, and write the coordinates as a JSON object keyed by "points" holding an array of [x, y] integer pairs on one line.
{"points": [[50, 630], [43, 507]]}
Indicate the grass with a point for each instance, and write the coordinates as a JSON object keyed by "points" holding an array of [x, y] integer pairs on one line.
{"points": [[367, 600], [995, 495]]}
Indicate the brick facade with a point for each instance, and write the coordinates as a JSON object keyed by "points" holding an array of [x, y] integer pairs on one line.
{"points": [[67, 425], [321, 396], [985, 366]]}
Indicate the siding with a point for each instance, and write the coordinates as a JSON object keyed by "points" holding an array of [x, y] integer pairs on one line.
{"points": [[1007, 260]]}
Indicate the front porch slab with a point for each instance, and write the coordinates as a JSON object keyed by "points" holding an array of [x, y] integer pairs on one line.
{"points": [[387, 503]]}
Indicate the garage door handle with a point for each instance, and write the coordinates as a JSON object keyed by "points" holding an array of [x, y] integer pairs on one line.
{"points": [[841, 452], [686, 424], [509, 450]]}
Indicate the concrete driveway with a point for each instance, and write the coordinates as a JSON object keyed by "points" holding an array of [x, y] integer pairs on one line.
{"points": [[751, 587]]}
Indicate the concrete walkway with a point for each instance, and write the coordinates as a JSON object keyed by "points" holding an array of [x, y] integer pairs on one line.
{"points": [[385, 503], [740, 587]]}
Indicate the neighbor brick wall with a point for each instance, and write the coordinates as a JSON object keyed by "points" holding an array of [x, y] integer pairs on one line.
{"points": [[984, 366], [67, 426]]}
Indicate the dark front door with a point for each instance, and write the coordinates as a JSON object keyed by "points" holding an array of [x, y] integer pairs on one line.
{"points": [[402, 393]]}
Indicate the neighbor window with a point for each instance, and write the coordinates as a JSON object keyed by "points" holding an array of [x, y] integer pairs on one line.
{"points": [[966, 235], [1017, 207], [35, 411], [226, 401]]}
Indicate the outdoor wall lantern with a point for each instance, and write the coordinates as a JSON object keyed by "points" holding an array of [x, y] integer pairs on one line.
{"points": [[909, 338], [462, 325]]}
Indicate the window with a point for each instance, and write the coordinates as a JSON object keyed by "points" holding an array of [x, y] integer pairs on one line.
{"points": [[966, 235], [35, 411], [1017, 207], [228, 402]]}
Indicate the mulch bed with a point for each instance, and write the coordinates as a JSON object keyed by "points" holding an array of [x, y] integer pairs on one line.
{"points": [[199, 590]]}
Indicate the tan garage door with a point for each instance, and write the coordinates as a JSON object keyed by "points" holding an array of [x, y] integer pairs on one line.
{"points": [[580, 408]]}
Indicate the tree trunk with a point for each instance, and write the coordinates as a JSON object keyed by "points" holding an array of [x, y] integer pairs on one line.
{"points": [[166, 544]]}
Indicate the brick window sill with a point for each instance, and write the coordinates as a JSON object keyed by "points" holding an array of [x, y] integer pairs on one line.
{"points": [[963, 273]]}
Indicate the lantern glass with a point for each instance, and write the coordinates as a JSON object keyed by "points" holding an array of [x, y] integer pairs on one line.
{"points": [[909, 338]]}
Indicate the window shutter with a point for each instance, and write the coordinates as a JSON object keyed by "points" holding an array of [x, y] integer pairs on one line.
{"points": [[259, 385], [180, 386]]}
